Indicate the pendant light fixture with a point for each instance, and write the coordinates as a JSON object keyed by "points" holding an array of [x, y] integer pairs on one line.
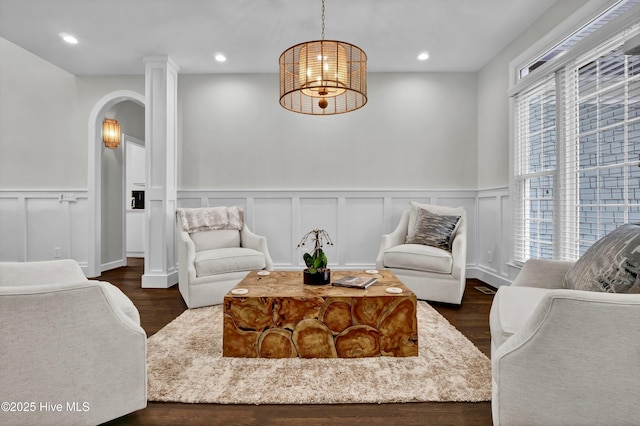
{"points": [[111, 133], [323, 77]]}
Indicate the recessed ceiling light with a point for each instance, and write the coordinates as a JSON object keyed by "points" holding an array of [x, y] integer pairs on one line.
{"points": [[423, 56], [220, 57], [69, 38]]}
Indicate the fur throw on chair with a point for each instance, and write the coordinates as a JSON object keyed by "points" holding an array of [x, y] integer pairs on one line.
{"points": [[210, 218]]}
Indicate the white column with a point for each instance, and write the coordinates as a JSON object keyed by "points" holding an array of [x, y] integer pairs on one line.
{"points": [[161, 84]]}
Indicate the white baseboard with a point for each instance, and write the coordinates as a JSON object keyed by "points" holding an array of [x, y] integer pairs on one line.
{"points": [[488, 277], [159, 280], [113, 265]]}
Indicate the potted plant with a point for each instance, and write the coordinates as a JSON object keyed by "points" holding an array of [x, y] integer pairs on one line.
{"points": [[316, 272]]}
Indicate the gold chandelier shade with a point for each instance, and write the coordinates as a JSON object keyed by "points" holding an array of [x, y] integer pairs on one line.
{"points": [[111, 133], [323, 77]]}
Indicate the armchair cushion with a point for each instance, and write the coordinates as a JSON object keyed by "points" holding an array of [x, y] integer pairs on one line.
{"points": [[611, 264], [418, 257], [433, 229], [225, 260], [511, 308], [209, 240]]}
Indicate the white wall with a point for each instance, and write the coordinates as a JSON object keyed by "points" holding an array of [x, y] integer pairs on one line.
{"points": [[39, 136], [439, 137], [494, 208], [418, 131], [493, 102], [423, 147]]}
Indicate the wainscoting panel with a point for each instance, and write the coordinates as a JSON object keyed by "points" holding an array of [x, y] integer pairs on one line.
{"points": [[354, 219], [360, 237], [272, 218], [78, 214], [154, 237], [319, 213], [48, 229], [12, 229], [493, 246], [42, 225]]}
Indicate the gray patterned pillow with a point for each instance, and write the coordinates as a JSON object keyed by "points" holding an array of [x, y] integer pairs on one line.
{"points": [[433, 230], [611, 264]]}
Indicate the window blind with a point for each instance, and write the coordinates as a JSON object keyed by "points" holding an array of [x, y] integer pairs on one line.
{"points": [[576, 164], [601, 172], [534, 171]]}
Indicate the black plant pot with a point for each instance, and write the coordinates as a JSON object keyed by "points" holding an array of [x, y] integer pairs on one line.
{"points": [[319, 278]]}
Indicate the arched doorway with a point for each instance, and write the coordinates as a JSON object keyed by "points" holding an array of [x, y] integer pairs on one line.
{"points": [[94, 265]]}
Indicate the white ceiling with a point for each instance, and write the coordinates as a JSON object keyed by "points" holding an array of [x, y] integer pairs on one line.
{"points": [[114, 35]]}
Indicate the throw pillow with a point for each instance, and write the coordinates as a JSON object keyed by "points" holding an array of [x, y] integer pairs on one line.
{"points": [[432, 229], [611, 264], [433, 208]]}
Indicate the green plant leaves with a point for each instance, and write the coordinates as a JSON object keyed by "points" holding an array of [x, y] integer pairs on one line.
{"points": [[308, 260], [316, 261]]}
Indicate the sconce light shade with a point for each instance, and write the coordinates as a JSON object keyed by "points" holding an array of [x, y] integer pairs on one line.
{"points": [[323, 77], [111, 133]]}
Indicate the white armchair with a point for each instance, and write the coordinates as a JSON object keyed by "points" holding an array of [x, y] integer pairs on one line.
{"points": [[70, 342], [212, 262], [562, 356], [431, 273]]}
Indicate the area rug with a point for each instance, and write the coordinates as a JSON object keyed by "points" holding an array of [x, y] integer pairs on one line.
{"points": [[185, 364]]}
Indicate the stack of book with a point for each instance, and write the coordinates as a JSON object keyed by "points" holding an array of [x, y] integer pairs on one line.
{"points": [[353, 281]]}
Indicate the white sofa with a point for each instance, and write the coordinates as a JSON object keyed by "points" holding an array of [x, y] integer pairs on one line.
{"points": [[431, 273], [562, 356], [72, 350], [212, 262]]}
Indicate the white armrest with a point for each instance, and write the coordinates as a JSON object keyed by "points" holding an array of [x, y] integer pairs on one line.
{"points": [[459, 254], [59, 271], [395, 238], [542, 273], [186, 257], [257, 242]]}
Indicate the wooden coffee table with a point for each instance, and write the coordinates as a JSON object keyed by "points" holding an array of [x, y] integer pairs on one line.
{"points": [[280, 317]]}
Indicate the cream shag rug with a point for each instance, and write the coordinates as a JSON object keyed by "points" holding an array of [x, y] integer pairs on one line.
{"points": [[185, 364]]}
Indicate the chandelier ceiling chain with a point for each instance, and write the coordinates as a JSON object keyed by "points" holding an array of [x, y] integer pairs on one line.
{"points": [[322, 20], [323, 77]]}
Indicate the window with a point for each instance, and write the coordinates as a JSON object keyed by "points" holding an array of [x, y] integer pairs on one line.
{"points": [[535, 169], [602, 19], [608, 172], [576, 164]]}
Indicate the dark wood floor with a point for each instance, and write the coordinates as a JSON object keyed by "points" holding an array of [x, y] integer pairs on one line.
{"points": [[159, 306]]}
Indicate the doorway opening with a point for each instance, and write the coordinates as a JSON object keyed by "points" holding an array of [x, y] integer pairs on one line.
{"points": [[106, 184]]}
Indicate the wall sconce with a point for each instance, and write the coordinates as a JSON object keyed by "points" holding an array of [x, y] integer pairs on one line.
{"points": [[111, 133]]}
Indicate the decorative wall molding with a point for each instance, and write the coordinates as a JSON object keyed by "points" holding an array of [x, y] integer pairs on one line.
{"points": [[355, 219], [493, 248], [33, 223], [44, 225]]}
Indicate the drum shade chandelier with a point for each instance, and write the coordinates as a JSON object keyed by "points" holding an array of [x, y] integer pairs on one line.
{"points": [[111, 133], [323, 77]]}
